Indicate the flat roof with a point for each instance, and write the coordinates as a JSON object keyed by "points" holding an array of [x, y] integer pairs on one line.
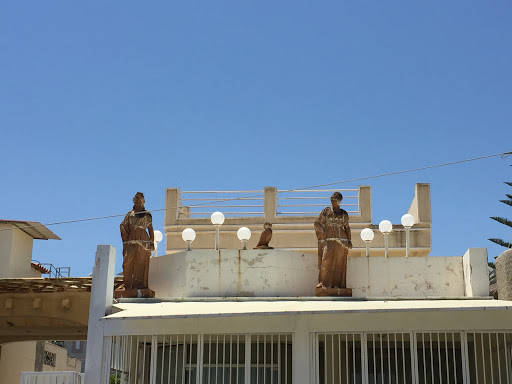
{"points": [[32, 228], [168, 310]]}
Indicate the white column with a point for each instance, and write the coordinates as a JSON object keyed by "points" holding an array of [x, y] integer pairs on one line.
{"points": [[301, 351], [102, 291]]}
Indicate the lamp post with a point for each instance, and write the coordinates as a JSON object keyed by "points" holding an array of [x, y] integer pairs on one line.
{"points": [[367, 236], [386, 227], [244, 234], [407, 221], [217, 220], [188, 235], [158, 239]]}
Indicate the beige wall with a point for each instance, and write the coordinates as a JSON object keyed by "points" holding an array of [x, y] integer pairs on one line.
{"points": [[20, 357], [15, 253], [16, 358]]}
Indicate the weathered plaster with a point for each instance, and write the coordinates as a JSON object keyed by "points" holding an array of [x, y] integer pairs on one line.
{"points": [[276, 273]]}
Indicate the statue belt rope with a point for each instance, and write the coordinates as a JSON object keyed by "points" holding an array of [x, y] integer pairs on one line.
{"points": [[140, 242], [339, 240]]}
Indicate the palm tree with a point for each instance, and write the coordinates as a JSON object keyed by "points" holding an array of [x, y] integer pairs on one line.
{"points": [[505, 221]]}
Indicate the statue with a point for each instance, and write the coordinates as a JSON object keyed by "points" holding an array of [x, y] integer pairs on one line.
{"points": [[138, 242], [265, 237], [334, 241]]}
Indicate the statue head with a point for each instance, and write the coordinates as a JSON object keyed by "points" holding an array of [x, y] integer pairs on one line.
{"points": [[336, 196], [267, 225], [138, 199]]}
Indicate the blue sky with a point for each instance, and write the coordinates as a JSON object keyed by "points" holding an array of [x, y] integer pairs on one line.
{"points": [[99, 100]]}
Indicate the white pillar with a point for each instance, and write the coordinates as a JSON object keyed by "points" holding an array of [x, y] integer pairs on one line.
{"points": [[301, 350], [102, 292], [476, 274]]}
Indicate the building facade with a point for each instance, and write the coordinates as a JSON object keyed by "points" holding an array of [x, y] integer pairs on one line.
{"points": [[250, 316]]}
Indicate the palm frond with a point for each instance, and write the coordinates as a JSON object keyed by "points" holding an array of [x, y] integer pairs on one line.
{"points": [[501, 242], [502, 220], [508, 183]]}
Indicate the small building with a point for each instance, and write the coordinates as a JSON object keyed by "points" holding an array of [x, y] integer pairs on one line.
{"points": [[250, 316], [28, 316]]}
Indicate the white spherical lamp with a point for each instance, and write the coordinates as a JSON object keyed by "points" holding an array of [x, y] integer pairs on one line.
{"points": [[407, 220], [385, 226], [244, 234], [158, 236], [188, 235], [217, 218], [367, 235]]}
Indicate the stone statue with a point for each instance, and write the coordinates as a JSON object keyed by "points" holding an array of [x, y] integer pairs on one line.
{"points": [[265, 237], [138, 242], [334, 241]]}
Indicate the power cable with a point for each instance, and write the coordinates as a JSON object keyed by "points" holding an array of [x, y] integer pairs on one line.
{"points": [[503, 155]]}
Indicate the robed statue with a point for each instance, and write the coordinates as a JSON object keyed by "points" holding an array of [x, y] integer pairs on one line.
{"points": [[334, 241], [138, 242]]}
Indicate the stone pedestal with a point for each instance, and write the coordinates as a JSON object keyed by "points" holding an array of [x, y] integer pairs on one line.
{"points": [[131, 293], [344, 292], [504, 275]]}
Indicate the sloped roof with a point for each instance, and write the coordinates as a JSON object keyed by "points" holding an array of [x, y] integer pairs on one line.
{"points": [[32, 228]]}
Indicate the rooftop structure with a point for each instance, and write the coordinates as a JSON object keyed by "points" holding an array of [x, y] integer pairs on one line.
{"points": [[292, 214], [16, 242], [237, 315]]}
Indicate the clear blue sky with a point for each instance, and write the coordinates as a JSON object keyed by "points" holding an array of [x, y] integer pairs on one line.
{"points": [[99, 100]]}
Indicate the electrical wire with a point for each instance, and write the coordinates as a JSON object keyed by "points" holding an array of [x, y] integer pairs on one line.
{"points": [[503, 155]]}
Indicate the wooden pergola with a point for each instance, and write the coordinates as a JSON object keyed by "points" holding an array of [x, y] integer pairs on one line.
{"points": [[45, 308]]}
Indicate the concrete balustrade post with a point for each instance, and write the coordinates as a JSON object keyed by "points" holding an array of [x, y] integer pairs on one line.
{"points": [[172, 205], [270, 204]]}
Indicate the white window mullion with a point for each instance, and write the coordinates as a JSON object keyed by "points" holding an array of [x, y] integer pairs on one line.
{"points": [[107, 361], [247, 359], [465, 356], [364, 359], [413, 346], [200, 349]]}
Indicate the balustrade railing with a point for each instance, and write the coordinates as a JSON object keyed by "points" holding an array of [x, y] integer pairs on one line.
{"points": [[309, 202], [305, 202]]}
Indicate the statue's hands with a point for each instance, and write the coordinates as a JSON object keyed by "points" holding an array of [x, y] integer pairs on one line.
{"points": [[349, 244]]}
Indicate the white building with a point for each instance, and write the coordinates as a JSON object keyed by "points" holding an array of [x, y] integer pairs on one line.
{"points": [[249, 316]]}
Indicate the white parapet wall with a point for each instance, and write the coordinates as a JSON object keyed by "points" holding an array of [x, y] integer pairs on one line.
{"points": [[275, 273]]}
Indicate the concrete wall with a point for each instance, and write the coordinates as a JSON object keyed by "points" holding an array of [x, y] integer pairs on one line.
{"points": [[15, 253], [62, 361], [276, 273], [20, 357]]}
